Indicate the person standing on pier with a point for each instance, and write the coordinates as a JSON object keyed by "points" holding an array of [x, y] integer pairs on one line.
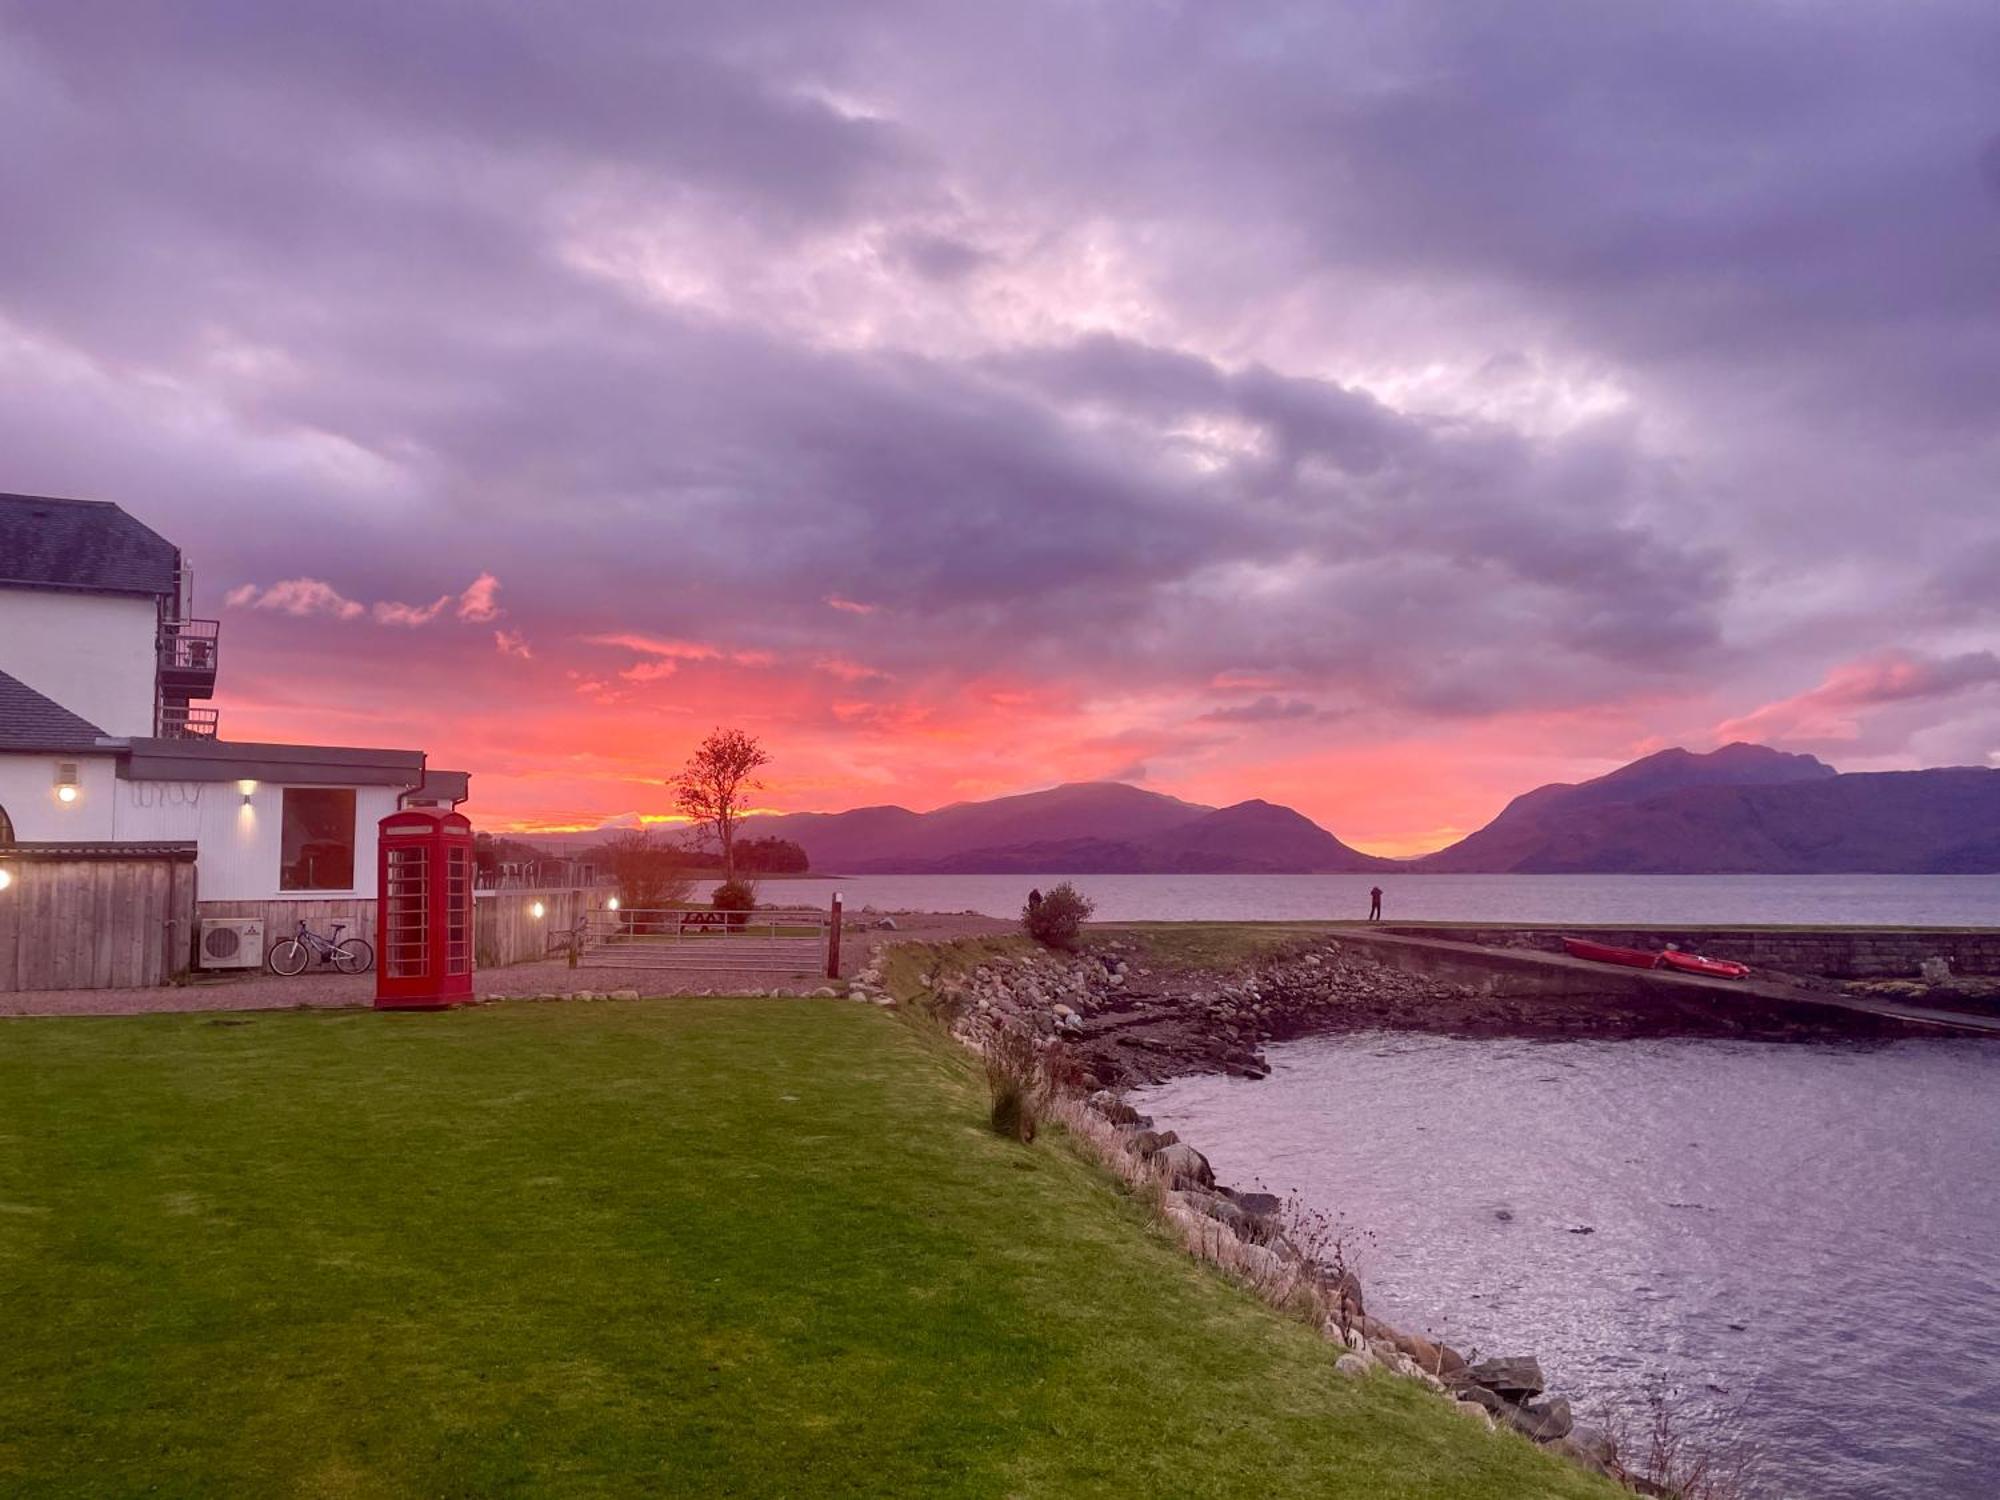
{"points": [[1375, 903]]}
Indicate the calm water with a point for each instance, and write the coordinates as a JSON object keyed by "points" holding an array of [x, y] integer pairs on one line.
{"points": [[1836, 1201], [1889, 900]]}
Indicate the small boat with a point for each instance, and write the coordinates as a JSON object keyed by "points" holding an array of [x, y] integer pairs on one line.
{"points": [[1604, 953], [1711, 968]]}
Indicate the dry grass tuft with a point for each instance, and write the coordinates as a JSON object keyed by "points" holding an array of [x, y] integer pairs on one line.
{"points": [[1012, 1077], [1660, 1452]]}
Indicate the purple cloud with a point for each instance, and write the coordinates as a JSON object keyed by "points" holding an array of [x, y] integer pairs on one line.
{"points": [[1446, 364]]}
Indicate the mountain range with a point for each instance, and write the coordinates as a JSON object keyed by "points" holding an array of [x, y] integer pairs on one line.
{"points": [[1742, 809], [1082, 828]]}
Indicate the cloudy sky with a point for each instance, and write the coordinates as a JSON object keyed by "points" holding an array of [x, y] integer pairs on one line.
{"points": [[1380, 409]]}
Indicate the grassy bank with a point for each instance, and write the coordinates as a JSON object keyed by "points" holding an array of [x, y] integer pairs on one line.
{"points": [[682, 1247]]}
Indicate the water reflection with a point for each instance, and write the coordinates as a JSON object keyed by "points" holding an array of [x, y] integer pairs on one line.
{"points": [[1800, 1240]]}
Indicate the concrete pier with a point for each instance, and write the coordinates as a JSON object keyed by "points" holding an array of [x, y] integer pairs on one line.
{"points": [[1529, 973]]}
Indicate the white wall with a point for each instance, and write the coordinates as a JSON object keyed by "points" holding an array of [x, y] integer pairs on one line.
{"points": [[240, 843], [94, 654], [28, 792]]}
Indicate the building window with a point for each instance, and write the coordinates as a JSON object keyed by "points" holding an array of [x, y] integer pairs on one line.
{"points": [[318, 839]]}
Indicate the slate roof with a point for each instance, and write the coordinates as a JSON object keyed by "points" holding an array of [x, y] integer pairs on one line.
{"points": [[47, 542], [30, 721]]}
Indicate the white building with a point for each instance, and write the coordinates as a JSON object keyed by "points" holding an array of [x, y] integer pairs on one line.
{"points": [[103, 739]]}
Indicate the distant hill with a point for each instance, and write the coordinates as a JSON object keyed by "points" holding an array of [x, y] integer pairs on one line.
{"points": [[1261, 835], [894, 838], [1518, 837], [1743, 809], [1081, 828]]}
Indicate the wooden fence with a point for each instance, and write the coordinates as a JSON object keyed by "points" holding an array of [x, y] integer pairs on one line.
{"points": [[506, 930], [95, 916], [505, 927], [123, 916]]}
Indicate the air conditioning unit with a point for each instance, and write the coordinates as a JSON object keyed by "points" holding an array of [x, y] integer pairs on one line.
{"points": [[232, 942]]}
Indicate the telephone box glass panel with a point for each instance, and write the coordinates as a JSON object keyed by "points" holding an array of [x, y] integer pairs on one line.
{"points": [[458, 912], [407, 912]]}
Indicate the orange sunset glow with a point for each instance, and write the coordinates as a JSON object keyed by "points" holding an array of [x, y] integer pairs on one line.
{"points": [[897, 408]]}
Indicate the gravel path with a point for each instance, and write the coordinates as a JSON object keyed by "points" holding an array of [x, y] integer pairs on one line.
{"points": [[266, 991]]}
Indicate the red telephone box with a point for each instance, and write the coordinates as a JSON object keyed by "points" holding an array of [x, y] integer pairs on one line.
{"points": [[423, 921]]}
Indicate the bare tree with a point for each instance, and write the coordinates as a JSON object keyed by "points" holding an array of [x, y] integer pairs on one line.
{"points": [[710, 788], [651, 872]]}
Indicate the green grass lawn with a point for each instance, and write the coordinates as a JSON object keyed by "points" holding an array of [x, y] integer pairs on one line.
{"points": [[664, 1248]]}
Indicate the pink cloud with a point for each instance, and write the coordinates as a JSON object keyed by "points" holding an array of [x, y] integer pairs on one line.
{"points": [[647, 645], [840, 668], [479, 603], [670, 651], [1248, 682], [411, 615], [296, 596], [1832, 711], [512, 643], [314, 596], [850, 606], [651, 671]]}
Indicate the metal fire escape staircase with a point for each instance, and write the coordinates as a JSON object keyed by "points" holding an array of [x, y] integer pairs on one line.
{"points": [[186, 667]]}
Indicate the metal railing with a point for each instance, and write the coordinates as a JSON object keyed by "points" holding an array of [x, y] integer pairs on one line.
{"points": [[181, 721], [552, 876], [189, 645]]}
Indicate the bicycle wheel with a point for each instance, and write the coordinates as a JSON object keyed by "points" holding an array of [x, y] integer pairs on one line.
{"points": [[288, 958], [353, 956]]}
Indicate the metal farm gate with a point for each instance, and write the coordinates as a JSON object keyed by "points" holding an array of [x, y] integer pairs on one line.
{"points": [[796, 941]]}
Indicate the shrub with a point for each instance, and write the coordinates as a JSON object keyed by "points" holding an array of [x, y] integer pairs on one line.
{"points": [[736, 897], [1663, 1453], [1056, 921], [650, 875]]}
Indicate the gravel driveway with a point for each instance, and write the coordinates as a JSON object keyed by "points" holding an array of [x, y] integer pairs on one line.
{"points": [[266, 991]]}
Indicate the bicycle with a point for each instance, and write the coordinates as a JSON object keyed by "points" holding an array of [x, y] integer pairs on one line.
{"points": [[349, 956]]}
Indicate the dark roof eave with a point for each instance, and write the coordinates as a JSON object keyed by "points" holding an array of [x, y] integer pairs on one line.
{"points": [[61, 849], [227, 760], [446, 786]]}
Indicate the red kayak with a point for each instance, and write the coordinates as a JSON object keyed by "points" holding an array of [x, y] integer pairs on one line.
{"points": [[1604, 953], [1711, 968]]}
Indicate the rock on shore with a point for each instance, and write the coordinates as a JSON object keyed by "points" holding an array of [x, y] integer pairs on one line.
{"points": [[1128, 1019]]}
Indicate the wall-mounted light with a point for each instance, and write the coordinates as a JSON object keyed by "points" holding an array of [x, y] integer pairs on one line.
{"points": [[612, 904], [538, 911], [247, 788], [66, 787], [6, 878]]}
